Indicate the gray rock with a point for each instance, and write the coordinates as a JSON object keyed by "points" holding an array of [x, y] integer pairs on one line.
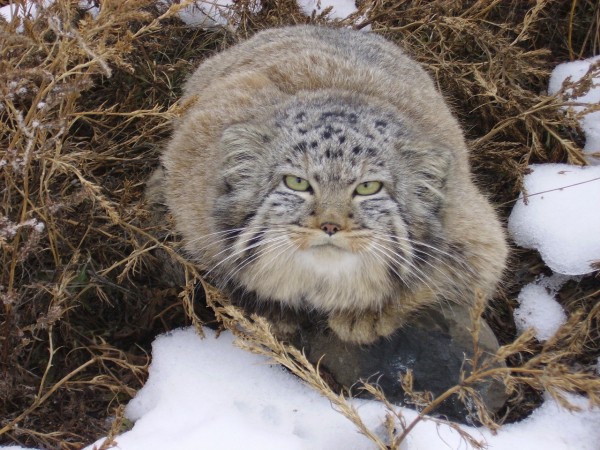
{"points": [[435, 347]]}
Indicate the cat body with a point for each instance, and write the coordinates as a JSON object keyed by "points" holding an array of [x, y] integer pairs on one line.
{"points": [[319, 170]]}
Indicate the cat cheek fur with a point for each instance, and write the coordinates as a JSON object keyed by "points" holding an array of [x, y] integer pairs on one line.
{"points": [[242, 147], [427, 170], [241, 179]]}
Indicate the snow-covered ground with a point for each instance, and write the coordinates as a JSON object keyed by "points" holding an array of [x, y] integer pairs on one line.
{"points": [[590, 122], [210, 13], [560, 216], [207, 393], [537, 297], [340, 9], [30, 10]]}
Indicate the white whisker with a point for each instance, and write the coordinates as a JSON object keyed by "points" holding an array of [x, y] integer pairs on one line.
{"points": [[414, 243], [397, 258], [242, 242], [232, 234], [436, 257], [283, 250], [432, 266], [270, 247], [246, 248]]}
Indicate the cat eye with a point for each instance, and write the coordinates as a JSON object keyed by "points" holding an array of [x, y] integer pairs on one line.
{"points": [[296, 183], [368, 188]]}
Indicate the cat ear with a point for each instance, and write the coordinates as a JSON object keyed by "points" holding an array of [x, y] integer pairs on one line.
{"points": [[245, 133], [243, 147], [434, 164]]}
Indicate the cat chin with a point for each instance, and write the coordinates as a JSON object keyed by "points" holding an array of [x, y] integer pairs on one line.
{"points": [[324, 278], [330, 260]]}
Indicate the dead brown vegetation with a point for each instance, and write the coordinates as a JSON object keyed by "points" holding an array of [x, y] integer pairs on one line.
{"points": [[85, 105]]}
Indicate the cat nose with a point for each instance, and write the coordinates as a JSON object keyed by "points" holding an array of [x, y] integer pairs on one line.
{"points": [[330, 228]]}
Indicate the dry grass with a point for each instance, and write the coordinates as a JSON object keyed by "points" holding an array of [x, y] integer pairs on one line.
{"points": [[84, 107]]}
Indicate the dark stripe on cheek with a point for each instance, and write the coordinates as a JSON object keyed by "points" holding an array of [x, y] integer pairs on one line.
{"points": [[254, 241], [401, 211], [397, 263], [290, 196], [248, 219], [244, 224]]}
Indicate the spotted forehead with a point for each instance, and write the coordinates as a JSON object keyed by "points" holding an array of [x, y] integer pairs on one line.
{"points": [[337, 141], [332, 121]]}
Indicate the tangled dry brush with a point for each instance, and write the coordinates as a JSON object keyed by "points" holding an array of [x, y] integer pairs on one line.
{"points": [[86, 103]]}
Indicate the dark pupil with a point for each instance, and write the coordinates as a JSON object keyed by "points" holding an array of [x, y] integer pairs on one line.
{"points": [[298, 180], [365, 185]]}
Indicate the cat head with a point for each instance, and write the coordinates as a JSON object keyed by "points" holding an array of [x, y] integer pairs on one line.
{"points": [[331, 184]]}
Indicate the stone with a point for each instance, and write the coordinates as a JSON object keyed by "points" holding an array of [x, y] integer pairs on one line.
{"points": [[435, 347]]}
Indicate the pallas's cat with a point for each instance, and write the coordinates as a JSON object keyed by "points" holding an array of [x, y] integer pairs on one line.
{"points": [[319, 170]]}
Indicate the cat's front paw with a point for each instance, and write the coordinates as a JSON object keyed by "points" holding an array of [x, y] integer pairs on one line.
{"points": [[284, 323], [283, 329], [364, 327]]}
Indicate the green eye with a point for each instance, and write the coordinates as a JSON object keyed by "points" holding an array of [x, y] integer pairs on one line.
{"points": [[296, 183], [368, 188]]}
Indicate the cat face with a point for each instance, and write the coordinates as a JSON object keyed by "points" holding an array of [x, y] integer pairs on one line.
{"points": [[330, 203]]}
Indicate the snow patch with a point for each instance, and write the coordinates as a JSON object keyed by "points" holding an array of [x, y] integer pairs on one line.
{"points": [[15, 447], [590, 122], [206, 13], [90, 6], [552, 427], [27, 10], [208, 393], [560, 216], [538, 309], [341, 8], [8, 229]]}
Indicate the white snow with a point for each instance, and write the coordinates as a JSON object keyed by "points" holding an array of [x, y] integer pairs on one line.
{"points": [[27, 10], [9, 229], [341, 8], [538, 309], [90, 7], [15, 447], [39, 227], [590, 122], [197, 13], [207, 393], [206, 13], [551, 427], [560, 216]]}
